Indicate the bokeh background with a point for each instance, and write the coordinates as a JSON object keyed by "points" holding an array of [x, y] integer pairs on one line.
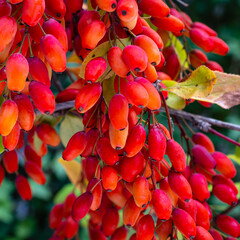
{"points": [[20, 220]]}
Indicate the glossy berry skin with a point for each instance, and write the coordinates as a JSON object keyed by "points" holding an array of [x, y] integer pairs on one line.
{"points": [[224, 165], [42, 97], [214, 66], [5, 8], [163, 229], [55, 216], [54, 52], [153, 35], [184, 222], [35, 172], [23, 187], [107, 5], [90, 167], [176, 155], [11, 140], [75, 146], [203, 157], [199, 187], [180, 185], [137, 94], [110, 221], [92, 136], [26, 111], [8, 117], [220, 47], [220, 179], [118, 111], [105, 151], [141, 191], [10, 161], [157, 144], [8, 27], [120, 234], [228, 225], [161, 204], [82, 206], [116, 62], [135, 141], [197, 58], [216, 235], [117, 137], [57, 10], [95, 187], [203, 140], [145, 228], [190, 207], [154, 102], [203, 234], [135, 57], [127, 10], [32, 11], [95, 69], [87, 97], [109, 178], [17, 70], [68, 203], [154, 8], [202, 217]]}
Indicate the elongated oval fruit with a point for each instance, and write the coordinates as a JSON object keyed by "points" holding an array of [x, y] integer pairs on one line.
{"points": [[10, 161], [190, 207], [31, 155], [145, 228], [228, 225], [135, 57], [117, 137], [82, 206], [35, 172], [135, 141], [32, 11], [23, 187], [202, 217], [54, 52], [127, 10], [57, 10], [199, 187], [11, 140], [197, 58], [75, 146], [203, 140], [118, 111], [184, 223], [216, 235], [26, 111], [163, 229], [95, 69], [161, 204], [130, 212], [38, 70], [154, 102], [54, 28], [95, 187], [176, 155], [141, 191], [153, 35], [137, 94], [5, 8], [116, 62], [8, 117], [88, 96], [109, 178], [110, 221], [180, 185], [157, 144], [55, 216], [48, 134], [105, 151], [107, 5], [203, 157], [91, 167], [150, 48], [203, 234], [68, 203], [17, 70], [224, 165], [8, 28], [42, 97]]}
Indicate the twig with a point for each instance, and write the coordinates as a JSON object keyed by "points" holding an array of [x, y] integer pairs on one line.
{"points": [[57, 83], [230, 208]]}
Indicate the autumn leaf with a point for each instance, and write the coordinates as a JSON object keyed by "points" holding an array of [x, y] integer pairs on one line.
{"points": [[108, 89], [198, 85], [226, 92], [176, 102]]}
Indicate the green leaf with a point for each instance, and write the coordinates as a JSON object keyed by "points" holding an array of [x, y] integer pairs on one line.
{"points": [[225, 92], [69, 126], [1, 145], [180, 51], [108, 89], [199, 84], [235, 158], [237, 151], [49, 119], [101, 51], [175, 101], [37, 142]]}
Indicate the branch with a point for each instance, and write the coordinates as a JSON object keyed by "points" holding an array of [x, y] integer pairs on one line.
{"points": [[230, 208]]}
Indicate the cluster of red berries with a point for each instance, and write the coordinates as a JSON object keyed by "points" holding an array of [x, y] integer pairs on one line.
{"points": [[123, 165]]}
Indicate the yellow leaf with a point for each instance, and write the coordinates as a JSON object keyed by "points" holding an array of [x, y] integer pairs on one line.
{"points": [[101, 51], [169, 83], [234, 158], [74, 70], [74, 58], [108, 89], [175, 101], [180, 51], [199, 84], [73, 169], [226, 92], [69, 126]]}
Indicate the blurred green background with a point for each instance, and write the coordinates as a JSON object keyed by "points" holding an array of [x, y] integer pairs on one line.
{"points": [[20, 220]]}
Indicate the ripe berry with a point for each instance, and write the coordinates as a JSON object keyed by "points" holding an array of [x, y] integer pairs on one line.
{"points": [[10, 161], [23, 187]]}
